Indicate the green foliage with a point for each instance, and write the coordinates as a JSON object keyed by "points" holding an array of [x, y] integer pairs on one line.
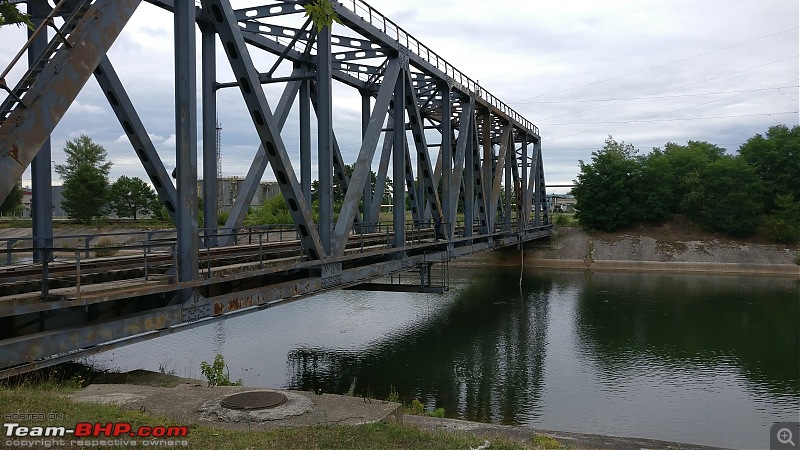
{"points": [[322, 14], [394, 396], [438, 412], [776, 160], [131, 197], [85, 176], [13, 201], [273, 211], [725, 193], [222, 217], [217, 373], [417, 408], [734, 197], [784, 224], [606, 189], [10, 14]]}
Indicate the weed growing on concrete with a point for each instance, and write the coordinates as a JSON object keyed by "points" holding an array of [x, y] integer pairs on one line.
{"points": [[394, 396], [217, 373]]}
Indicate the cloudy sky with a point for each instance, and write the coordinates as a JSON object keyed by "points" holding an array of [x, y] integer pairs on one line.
{"points": [[646, 72]]}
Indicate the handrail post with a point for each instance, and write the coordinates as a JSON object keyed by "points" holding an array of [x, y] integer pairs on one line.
{"points": [[78, 274], [260, 251], [44, 253]]}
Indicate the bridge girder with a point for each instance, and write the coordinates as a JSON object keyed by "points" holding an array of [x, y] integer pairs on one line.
{"points": [[460, 157]]}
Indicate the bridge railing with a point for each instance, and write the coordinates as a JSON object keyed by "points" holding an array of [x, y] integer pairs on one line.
{"points": [[390, 28]]}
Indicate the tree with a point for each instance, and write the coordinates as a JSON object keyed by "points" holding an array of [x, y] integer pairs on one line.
{"points": [[9, 13], [131, 197], [606, 188], [776, 160], [733, 196], [686, 164], [13, 201], [783, 225], [85, 176]]}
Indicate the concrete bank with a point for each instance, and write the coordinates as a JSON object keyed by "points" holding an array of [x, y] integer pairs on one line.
{"points": [[188, 401], [573, 248]]}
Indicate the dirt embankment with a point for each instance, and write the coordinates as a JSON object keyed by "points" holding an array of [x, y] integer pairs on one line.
{"points": [[662, 248]]}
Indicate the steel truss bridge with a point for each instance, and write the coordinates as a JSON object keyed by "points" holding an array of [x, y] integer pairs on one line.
{"points": [[467, 172]]}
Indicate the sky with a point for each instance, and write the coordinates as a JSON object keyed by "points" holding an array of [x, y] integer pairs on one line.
{"points": [[646, 72]]}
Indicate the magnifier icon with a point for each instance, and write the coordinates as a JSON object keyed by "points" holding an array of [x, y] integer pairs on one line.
{"points": [[784, 436]]}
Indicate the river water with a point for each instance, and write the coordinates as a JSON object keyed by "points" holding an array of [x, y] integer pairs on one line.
{"points": [[702, 359]]}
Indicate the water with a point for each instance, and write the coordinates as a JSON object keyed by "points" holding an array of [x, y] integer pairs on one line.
{"points": [[700, 359]]}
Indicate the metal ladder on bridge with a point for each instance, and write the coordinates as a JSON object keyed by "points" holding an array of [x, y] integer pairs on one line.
{"points": [[44, 93]]}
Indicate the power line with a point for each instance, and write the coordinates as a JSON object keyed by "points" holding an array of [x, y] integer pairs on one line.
{"points": [[677, 87], [651, 97], [614, 43], [660, 66], [673, 120]]}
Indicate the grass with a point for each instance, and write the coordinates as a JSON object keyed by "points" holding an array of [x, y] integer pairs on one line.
{"points": [[104, 247], [47, 392]]}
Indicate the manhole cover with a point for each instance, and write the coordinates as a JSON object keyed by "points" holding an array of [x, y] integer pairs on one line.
{"points": [[253, 400]]}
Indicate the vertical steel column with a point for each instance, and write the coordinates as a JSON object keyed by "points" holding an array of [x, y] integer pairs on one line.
{"points": [[537, 199], [524, 209], [186, 141], [469, 174], [488, 155], [510, 152], [447, 159], [399, 161], [325, 138], [366, 112], [210, 168], [305, 138], [41, 169]]}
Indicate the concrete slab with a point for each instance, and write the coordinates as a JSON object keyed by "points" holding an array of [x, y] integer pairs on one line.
{"points": [[195, 403]]}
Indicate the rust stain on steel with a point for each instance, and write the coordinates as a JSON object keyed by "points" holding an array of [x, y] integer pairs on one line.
{"points": [[218, 308], [234, 304], [13, 152]]}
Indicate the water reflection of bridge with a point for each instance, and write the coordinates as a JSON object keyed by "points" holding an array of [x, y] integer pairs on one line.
{"points": [[480, 356]]}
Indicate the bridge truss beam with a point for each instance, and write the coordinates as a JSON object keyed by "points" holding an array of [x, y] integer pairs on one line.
{"points": [[460, 158]]}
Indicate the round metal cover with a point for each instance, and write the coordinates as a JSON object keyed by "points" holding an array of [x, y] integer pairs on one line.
{"points": [[253, 400]]}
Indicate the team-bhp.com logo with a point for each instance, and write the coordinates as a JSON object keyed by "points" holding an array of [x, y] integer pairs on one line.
{"points": [[92, 430]]}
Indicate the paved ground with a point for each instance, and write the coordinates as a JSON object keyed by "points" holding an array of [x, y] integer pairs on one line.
{"points": [[192, 402]]}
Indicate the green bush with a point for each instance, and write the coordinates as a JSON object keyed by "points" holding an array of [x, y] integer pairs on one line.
{"points": [[417, 408], [222, 217], [272, 211], [217, 373], [438, 412]]}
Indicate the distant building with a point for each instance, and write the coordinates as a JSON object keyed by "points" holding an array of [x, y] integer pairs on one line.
{"points": [[228, 188], [561, 202]]}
